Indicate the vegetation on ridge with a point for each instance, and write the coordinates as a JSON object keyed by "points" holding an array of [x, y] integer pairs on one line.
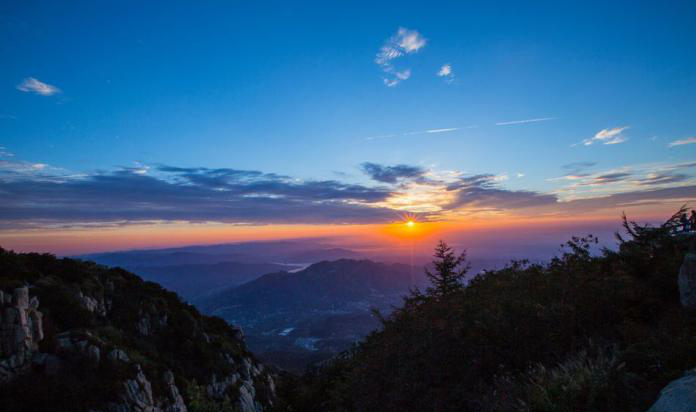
{"points": [[583, 332], [194, 347]]}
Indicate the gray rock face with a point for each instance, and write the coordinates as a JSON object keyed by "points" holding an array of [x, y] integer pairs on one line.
{"points": [[217, 389], [21, 328], [117, 355], [174, 396], [151, 321], [678, 396], [93, 305], [687, 281], [137, 396]]}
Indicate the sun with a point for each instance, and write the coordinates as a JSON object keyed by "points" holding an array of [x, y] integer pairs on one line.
{"points": [[410, 223]]}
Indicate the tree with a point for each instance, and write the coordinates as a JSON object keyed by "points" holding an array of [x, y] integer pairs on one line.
{"points": [[450, 271]]}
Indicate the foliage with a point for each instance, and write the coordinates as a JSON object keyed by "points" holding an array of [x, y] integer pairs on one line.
{"points": [[450, 271], [198, 402], [524, 330], [191, 345]]}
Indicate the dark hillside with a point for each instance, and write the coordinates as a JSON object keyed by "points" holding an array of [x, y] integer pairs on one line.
{"points": [[581, 333], [87, 337]]}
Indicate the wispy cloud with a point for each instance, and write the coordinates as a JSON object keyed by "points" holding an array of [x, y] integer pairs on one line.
{"points": [[5, 153], [607, 136], [32, 85], [450, 129], [688, 140], [446, 72], [540, 119], [404, 42], [417, 132], [391, 174], [578, 166], [626, 179], [40, 195], [397, 78]]}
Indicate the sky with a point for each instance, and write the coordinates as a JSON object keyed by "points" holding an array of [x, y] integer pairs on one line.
{"points": [[146, 124]]}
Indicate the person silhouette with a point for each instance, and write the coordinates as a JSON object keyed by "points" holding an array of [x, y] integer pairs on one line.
{"points": [[692, 220]]}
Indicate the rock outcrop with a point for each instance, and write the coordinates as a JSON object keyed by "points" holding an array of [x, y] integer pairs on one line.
{"points": [[21, 328], [110, 342], [244, 381], [678, 396], [94, 305], [137, 396], [687, 281]]}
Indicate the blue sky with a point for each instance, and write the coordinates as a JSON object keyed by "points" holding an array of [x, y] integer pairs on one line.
{"points": [[299, 90]]}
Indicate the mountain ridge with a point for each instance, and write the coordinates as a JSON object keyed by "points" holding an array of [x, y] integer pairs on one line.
{"points": [[102, 339]]}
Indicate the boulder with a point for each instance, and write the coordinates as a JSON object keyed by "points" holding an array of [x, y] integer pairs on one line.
{"points": [[94, 353], [20, 298], [21, 328], [678, 396], [687, 281], [177, 404], [117, 355]]}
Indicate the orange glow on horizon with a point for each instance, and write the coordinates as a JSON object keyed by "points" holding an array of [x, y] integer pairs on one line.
{"points": [[398, 234]]}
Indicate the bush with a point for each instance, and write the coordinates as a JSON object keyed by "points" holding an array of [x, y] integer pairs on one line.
{"points": [[525, 328]]}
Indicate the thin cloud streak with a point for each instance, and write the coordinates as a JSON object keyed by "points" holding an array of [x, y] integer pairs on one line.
{"points": [[451, 129], [688, 140], [540, 119], [417, 132]]}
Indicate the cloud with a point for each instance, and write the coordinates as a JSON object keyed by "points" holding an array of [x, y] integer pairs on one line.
{"points": [[397, 78], [429, 131], [607, 136], [5, 153], [32, 85], [482, 192], [606, 178], [688, 140], [446, 72], [187, 194], [404, 42], [37, 195], [540, 119], [653, 179], [578, 165], [679, 195], [391, 174], [449, 129], [626, 179]]}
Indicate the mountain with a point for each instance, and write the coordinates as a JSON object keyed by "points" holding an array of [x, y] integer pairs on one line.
{"points": [[193, 280], [77, 336], [590, 331], [279, 251], [324, 308], [324, 285], [195, 271]]}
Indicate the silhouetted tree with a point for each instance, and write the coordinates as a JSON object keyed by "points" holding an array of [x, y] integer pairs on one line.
{"points": [[450, 270]]}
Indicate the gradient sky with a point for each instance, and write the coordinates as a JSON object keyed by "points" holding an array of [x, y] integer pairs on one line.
{"points": [[244, 117]]}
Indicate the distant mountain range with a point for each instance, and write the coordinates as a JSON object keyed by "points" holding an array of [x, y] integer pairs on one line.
{"points": [[196, 271], [292, 318], [193, 281], [326, 285], [299, 301]]}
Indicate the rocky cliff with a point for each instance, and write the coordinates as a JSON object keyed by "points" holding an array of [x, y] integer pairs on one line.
{"points": [[90, 338]]}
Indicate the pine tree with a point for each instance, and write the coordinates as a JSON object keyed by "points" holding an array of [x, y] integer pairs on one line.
{"points": [[450, 271]]}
